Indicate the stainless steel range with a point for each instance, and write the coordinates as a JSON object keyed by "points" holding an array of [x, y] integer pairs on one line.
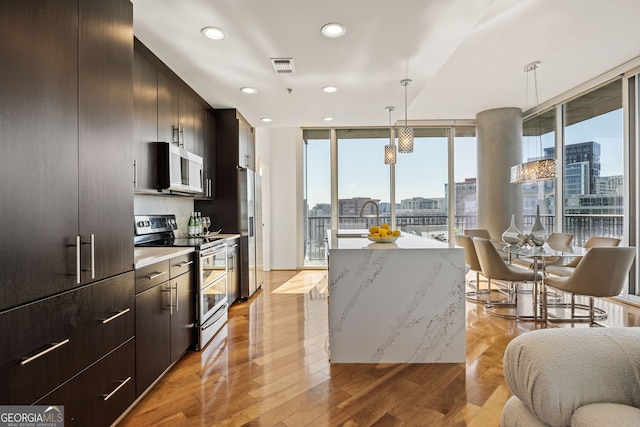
{"points": [[211, 280]]}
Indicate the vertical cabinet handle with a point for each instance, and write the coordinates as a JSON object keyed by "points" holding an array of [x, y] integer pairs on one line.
{"points": [[93, 256], [170, 290], [135, 174], [78, 272], [177, 301], [115, 390]]}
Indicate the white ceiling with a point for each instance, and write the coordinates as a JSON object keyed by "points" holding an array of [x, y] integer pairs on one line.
{"points": [[464, 56]]}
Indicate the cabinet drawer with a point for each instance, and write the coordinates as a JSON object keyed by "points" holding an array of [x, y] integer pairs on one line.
{"points": [[180, 265], [53, 339], [151, 275], [98, 395]]}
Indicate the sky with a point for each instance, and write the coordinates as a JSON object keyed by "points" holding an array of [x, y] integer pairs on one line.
{"points": [[362, 172]]}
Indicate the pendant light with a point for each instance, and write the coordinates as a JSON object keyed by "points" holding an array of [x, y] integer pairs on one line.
{"points": [[542, 169], [390, 150], [405, 135]]}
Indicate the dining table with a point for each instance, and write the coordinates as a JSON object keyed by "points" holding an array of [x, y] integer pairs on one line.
{"points": [[539, 255]]}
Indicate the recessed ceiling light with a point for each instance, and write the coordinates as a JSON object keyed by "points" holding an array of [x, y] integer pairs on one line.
{"points": [[248, 90], [333, 30], [329, 89], [213, 33], [328, 119], [266, 119]]}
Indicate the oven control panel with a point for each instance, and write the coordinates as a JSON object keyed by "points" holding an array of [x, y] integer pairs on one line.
{"points": [[148, 224]]}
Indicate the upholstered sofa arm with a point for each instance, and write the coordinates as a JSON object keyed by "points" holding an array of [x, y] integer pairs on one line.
{"points": [[556, 371]]}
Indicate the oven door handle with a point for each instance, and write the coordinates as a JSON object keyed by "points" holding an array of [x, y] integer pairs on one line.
{"points": [[213, 251], [217, 315]]}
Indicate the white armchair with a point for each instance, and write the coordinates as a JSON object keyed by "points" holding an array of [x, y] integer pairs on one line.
{"points": [[573, 377]]}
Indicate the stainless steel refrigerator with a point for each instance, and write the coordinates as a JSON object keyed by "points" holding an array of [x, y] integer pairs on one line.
{"points": [[249, 207]]}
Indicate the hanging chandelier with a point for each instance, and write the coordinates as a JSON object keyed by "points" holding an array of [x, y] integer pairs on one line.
{"points": [[390, 149], [405, 135], [541, 169]]}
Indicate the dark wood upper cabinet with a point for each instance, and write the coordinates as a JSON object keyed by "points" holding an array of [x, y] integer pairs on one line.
{"points": [[38, 148], [145, 121], [167, 109], [105, 53], [187, 120]]}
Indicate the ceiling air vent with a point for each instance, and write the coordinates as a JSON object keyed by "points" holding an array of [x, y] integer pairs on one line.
{"points": [[283, 65]]}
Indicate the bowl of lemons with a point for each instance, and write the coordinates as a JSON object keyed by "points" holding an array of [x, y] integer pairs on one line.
{"points": [[383, 234]]}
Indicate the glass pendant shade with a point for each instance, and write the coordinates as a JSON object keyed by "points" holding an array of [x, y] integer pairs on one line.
{"points": [[534, 171], [405, 140], [390, 154]]}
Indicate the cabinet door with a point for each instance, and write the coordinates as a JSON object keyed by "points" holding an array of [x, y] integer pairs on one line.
{"points": [[105, 54], [182, 315], [153, 339], [38, 148], [145, 121], [203, 149], [97, 396], [167, 109], [186, 114], [243, 144]]}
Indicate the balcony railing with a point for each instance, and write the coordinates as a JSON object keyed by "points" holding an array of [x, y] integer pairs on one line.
{"points": [[581, 226]]}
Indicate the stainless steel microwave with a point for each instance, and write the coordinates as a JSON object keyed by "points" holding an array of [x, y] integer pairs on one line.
{"points": [[179, 171]]}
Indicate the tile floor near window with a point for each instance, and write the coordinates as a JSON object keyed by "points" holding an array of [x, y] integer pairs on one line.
{"points": [[269, 367]]}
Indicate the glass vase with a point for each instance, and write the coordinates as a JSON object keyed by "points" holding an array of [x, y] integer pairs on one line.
{"points": [[538, 233], [512, 235]]}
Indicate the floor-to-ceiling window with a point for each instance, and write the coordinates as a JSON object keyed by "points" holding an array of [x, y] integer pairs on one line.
{"points": [[362, 177], [465, 167], [594, 164], [421, 179], [422, 185], [317, 194]]}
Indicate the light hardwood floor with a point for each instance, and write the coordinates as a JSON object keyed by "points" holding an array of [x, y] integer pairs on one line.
{"points": [[269, 366]]}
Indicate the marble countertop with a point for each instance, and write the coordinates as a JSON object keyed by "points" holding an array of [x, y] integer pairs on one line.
{"points": [[143, 256], [405, 241]]}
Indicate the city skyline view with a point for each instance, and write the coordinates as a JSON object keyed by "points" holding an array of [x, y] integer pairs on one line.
{"points": [[423, 173]]}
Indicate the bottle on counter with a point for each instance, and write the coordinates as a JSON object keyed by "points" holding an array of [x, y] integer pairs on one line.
{"points": [[192, 227]]}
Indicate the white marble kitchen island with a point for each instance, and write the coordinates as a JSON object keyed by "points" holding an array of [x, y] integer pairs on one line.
{"points": [[399, 302]]}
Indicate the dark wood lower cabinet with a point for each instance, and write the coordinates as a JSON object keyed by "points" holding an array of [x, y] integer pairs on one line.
{"points": [[182, 316], [165, 318], [98, 395], [50, 341], [153, 336]]}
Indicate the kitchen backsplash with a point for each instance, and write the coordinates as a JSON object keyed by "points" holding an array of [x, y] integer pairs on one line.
{"points": [[181, 207]]}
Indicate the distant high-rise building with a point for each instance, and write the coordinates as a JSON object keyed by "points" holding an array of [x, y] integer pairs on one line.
{"points": [[584, 152], [418, 203], [465, 193]]}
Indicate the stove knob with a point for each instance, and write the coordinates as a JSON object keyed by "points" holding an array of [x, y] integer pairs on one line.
{"points": [[140, 224], [147, 223]]}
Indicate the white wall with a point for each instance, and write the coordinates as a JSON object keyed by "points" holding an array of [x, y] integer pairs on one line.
{"points": [[263, 168], [284, 230]]}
